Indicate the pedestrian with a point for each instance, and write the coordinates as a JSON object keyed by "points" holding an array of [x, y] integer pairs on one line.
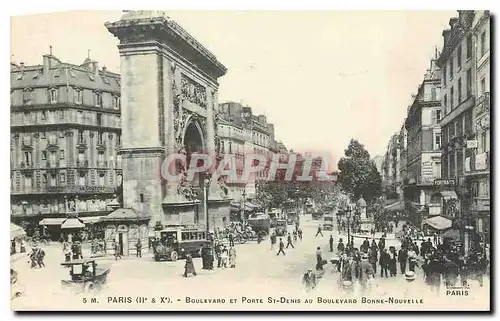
{"points": [[381, 244], [281, 247], [403, 258], [23, 246], [299, 232], [294, 236], [232, 257], [412, 259], [384, 263], [330, 241], [309, 280], [116, 247], [319, 231], [340, 246], [365, 272], [373, 259], [40, 256], [289, 241], [224, 256], [365, 246], [189, 266], [13, 246], [33, 256], [231, 239], [138, 247], [67, 254], [393, 260], [319, 259], [273, 240]]}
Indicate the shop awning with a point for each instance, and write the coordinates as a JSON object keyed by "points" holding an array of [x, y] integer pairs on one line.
{"points": [[447, 195], [72, 223], [438, 222], [90, 219], [52, 221], [452, 234], [398, 206], [16, 231]]}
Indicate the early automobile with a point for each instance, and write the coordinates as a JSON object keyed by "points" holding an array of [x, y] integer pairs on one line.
{"points": [[292, 217], [328, 222], [281, 228], [260, 223], [176, 242], [86, 274]]}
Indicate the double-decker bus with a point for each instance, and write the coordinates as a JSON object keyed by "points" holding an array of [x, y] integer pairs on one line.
{"points": [[176, 242]]}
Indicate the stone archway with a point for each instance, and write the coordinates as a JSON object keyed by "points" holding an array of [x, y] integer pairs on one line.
{"points": [[193, 141]]}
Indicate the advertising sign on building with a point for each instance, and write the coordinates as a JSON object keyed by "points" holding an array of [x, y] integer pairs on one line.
{"points": [[471, 144], [444, 182]]}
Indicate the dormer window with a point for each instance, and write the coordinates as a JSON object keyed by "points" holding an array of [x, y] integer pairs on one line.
{"points": [[78, 96], [97, 99], [53, 95]]}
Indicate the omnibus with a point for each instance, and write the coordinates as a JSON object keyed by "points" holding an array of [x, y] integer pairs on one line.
{"points": [[174, 243]]}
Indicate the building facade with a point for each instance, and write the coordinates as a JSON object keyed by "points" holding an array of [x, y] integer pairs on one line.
{"points": [[423, 152], [391, 175], [65, 134], [478, 160], [459, 98]]}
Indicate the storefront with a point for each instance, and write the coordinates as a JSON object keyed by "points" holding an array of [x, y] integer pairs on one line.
{"points": [[125, 227]]}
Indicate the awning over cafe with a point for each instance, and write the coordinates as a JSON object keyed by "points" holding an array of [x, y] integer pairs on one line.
{"points": [[447, 195], [438, 222], [72, 223], [16, 231], [451, 234], [52, 221]]}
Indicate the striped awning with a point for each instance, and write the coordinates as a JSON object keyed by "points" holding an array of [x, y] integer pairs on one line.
{"points": [[52, 221]]}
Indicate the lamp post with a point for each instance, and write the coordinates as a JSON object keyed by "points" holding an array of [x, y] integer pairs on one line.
{"points": [[206, 185], [348, 213], [242, 210]]}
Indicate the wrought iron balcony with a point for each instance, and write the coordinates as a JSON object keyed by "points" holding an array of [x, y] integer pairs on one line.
{"points": [[82, 163]]}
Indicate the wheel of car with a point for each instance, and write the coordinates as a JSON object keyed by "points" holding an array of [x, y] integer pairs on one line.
{"points": [[174, 256], [157, 257], [89, 287]]}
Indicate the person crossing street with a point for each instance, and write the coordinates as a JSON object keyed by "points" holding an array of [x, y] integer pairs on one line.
{"points": [[281, 247], [319, 231], [289, 241]]}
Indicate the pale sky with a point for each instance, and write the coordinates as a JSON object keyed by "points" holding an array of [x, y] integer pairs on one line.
{"points": [[321, 77]]}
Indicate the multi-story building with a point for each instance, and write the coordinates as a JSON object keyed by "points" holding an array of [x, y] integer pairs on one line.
{"points": [[423, 152], [378, 160], [477, 161], [65, 132], [403, 145], [250, 135], [391, 169], [458, 64]]}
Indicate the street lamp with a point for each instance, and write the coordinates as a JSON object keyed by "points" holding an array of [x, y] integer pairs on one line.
{"points": [[206, 185], [348, 212], [242, 210]]}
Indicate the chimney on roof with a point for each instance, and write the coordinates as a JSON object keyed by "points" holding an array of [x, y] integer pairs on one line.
{"points": [[95, 66], [50, 50]]}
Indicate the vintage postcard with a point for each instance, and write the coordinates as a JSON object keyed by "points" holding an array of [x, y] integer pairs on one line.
{"points": [[250, 160]]}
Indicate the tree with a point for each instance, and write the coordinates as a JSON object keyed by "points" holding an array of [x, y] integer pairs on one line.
{"points": [[358, 174]]}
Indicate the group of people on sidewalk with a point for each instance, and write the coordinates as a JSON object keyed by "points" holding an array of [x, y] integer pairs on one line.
{"points": [[209, 253]]}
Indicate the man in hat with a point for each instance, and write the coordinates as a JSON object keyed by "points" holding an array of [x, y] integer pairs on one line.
{"points": [[281, 247], [309, 280], [189, 266], [319, 231], [365, 246], [289, 241], [319, 259], [340, 246], [330, 241]]}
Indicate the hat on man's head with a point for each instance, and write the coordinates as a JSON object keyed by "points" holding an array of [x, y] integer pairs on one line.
{"points": [[410, 276]]}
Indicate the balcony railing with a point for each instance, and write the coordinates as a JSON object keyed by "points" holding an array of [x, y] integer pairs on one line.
{"points": [[82, 163], [52, 163], [102, 164], [26, 165]]}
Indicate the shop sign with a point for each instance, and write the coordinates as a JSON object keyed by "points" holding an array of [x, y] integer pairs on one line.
{"points": [[444, 182], [471, 144]]}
